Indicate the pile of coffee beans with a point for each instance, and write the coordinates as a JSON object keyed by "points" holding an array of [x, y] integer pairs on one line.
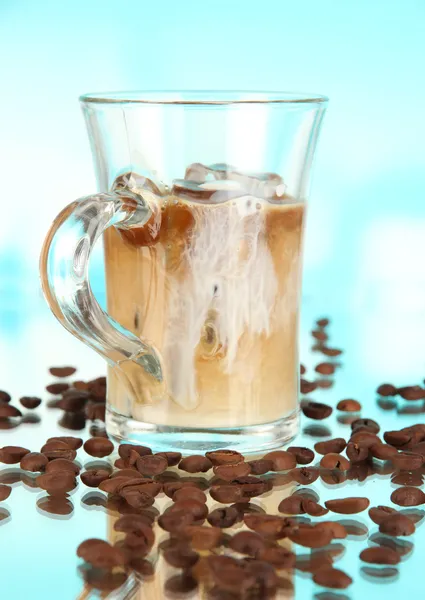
{"points": [[182, 510]]}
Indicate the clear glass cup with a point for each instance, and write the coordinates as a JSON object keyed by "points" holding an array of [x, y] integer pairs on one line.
{"points": [[201, 209]]}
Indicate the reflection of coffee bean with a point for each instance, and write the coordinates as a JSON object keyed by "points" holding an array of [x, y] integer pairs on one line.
{"points": [[178, 585], [34, 462], [30, 402], [397, 524], [99, 447], [316, 410], [11, 455], [335, 461], [223, 517], [303, 456], [281, 460], [195, 464], [348, 506], [406, 478], [336, 445], [408, 496], [407, 461], [332, 578]]}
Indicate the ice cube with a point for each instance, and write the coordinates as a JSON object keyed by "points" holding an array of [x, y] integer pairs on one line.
{"points": [[211, 191], [137, 184]]}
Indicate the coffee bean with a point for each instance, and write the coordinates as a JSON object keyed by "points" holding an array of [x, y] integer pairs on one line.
{"points": [[378, 514], [270, 526], [386, 389], [310, 536], [364, 439], [335, 461], [53, 450], [332, 578], [279, 557], [173, 458], [230, 574], [57, 388], [302, 369], [190, 493], [320, 335], [331, 351], [224, 457], [5, 491], [195, 464], [304, 475], [311, 507], [203, 538], [357, 453], [62, 464], [382, 451], [133, 523], [292, 505], [303, 456], [325, 368], [11, 455], [247, 542], [98, 447], [324, 384], [151, 464], [316, 410], [406, 478], [368, 425], [306, 387], [178, 586], [230, 472], [397, 438], [349, 405], [407, 461], [145, 485], [408, 496], [170, 487], [223, 517], [73, 442], [324, 322], [34, 462], [4, 397], [174, 521], [100, 554], [30, 402], [281, 460], [411, 392], [199, 510], [252, 486], [94, 477], [348, 506], [261, 466], [379, 555], [62, 371], [137, 498], [7, 411], [338, 531], [397, 525], [310, 563], [58, 482], [335, 445], [124, 450]]}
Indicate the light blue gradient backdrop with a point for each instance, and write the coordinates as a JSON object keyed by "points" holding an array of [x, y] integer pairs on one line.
{"points": [[364, 259]]}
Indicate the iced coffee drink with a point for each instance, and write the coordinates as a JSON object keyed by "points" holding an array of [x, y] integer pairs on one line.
{"points": [[212, 281]]}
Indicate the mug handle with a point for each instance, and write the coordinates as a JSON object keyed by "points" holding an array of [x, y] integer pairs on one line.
{"points": [[64, 269]]}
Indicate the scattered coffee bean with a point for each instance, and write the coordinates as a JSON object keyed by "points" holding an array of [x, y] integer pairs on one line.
{"points": [[331, 351], [302, 370], [151, 464], [4, 397], [316, 410], [336, 445], [178, 586], [386, 389], [366, 425], [58, 482], [312, 508], [199, 510], [224, 457], [406, 478], [62, 371], [320, 335], [378, 514], [411, 392], [380, 555], [100, 554], [325, 368], [11, 455], [5, 491], [261, 466], [62, 464], [173, 458], [407, 461], [247, 542], [324, 322], [230, 472], [324, 384], [310, 536], [7, 411], [303, 456], [332, 578], [34, 462], [349, 405], [124, 450], [279, 557], [382, 451], [357, 453], [338, 531], [335, 461], [292, 505], [30, 402], [397, 438], [57, 388], [270, 526], [365, 438], [195, 464], [73, 442], [53, 450], [170, 487], [230, 574], [223, 517], [307, 387], [98, 447], [312, 562], [397, 525], [348, 506], [281, 460], [174, 521], [94, 477], [408, 496], [190, 493], [203, 538], [304, 475]]}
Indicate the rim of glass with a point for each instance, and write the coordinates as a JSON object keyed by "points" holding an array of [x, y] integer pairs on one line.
{"points": [[203, 97]]}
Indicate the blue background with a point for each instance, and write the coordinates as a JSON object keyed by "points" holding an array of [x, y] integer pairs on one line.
{"points": [[364, 262]]}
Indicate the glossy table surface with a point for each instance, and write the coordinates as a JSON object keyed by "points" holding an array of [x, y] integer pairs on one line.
{"points": [[38, 549]]}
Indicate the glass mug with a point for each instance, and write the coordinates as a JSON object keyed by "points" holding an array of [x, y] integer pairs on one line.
{"points": [[201, 209]]}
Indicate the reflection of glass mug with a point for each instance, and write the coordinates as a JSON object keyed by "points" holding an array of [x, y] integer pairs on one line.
{"points": [[201, 210]]}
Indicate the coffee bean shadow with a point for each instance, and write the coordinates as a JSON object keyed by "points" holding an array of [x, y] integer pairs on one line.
{"points": [[9, 423], [31, 419], [411, 409], [98, 464], [30, 482], [73, 421], [317, 431], [356, 530], [379, 575], [102, 580], [347, 419], [5, 516], [386, 404], [415, 514], [403, 547], [330, 596], [10, 476], [94, 501], [311, 493], [55, 507]]}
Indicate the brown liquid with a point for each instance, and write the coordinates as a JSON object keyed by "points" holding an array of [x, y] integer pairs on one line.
{"points": [[215, 288]]}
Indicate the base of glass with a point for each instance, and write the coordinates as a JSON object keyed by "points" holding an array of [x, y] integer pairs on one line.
{"points": [[250, 439]]}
